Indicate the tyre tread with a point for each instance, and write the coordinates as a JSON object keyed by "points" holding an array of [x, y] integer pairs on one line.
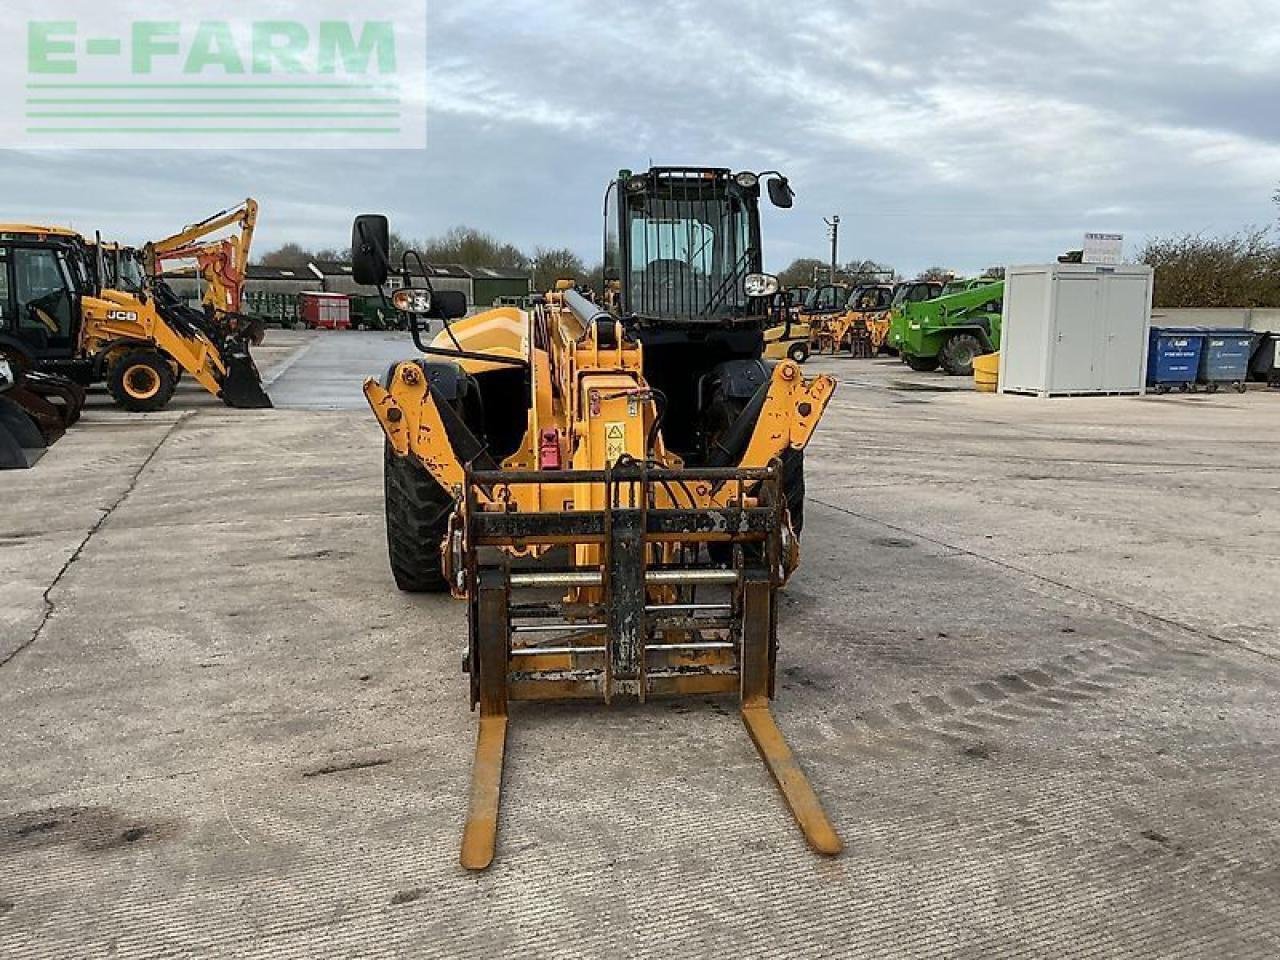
{"points": [[417, 512]]}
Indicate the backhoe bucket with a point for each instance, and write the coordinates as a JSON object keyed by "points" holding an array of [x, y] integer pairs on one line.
{"points": [[242, 387], [643, 607]]}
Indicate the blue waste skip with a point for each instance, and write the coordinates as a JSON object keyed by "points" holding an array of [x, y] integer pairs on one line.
{"points": [[1265, 365], [1225, 358], [1174, 358]]}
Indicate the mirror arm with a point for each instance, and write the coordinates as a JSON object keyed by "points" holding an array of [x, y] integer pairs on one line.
{"points": [[467, 354], [413, 321]]}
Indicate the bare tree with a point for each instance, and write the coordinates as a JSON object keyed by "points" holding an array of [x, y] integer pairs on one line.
{"points": [[866, 271], [289, 256], [469, 247], [294, 256], [937, 273], [552, 264], [801, 272]]}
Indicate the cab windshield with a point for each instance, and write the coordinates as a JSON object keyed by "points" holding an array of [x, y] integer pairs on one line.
{"points": [[691, 243], [914, 292], [131, 278]]}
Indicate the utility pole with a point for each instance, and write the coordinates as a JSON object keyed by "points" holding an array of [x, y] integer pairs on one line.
{"points": [[833, 231]]}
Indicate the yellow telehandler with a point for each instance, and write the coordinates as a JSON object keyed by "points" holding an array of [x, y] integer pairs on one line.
{"points": [[58, 308], [616, 491], [867, 309]]}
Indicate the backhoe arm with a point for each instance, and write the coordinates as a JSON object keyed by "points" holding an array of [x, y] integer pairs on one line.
{"points": [[223, 263]]}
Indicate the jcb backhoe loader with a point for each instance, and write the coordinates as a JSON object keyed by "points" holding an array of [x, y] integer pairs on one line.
{"points": [[615, 492], [137, 338]]}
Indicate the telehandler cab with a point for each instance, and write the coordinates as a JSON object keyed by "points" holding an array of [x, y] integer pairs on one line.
{"points": [[787, 337], [89, 313], [616, 493]]}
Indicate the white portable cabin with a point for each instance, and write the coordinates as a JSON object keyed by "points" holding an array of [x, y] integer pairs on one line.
{"points": [[1072, 329]]}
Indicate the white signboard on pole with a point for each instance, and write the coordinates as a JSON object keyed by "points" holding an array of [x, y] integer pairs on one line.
{"points": [[1104, 248]]}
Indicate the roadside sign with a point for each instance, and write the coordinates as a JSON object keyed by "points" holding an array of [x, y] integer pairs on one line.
{"points": [[1104, 248]]}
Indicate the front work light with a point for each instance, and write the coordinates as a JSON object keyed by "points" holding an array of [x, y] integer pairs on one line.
{"points": [[760, 285], [416, 302]]}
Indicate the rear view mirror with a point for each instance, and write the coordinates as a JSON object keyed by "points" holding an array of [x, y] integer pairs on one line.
{"points": [[449, 305], [780, 192], [370, 242]]}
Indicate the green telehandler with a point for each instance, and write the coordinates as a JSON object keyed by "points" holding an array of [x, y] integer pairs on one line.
{"points": [[949, 330]]}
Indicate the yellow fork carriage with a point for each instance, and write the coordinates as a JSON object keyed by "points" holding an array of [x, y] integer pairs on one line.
{"points": [[677, 597]]}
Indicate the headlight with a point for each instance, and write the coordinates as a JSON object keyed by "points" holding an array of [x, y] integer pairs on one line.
{"points": [[760, 285], [636, 184], [416, 302], [747, 180]]}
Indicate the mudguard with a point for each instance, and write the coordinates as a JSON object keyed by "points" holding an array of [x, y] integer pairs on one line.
{"points": [[741, 379]]}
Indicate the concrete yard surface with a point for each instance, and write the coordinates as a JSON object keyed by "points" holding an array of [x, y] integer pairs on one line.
{"points": [[1030, 663]]}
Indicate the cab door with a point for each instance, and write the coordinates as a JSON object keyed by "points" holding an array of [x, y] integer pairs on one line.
{"points": [[6, 293], [44, 301]]}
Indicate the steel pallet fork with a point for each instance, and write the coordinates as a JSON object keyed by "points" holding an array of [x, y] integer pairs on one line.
{"points": [[629, 621]]}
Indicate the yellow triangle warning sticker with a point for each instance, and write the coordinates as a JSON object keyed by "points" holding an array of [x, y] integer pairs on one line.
{"points": [[615, 441]]}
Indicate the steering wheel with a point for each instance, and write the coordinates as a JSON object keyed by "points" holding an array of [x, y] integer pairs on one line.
{"points": [[43, 310]]}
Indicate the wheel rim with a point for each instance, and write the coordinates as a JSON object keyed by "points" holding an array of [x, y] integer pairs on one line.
{"points": [[963, 353], [141, 382]]}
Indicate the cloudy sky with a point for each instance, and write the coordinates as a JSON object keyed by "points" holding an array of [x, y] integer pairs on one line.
{"points": [[943, 132]]}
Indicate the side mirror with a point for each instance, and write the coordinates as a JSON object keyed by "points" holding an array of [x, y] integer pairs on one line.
{"points": [[370, 243], [449, 305], [780, 192]]}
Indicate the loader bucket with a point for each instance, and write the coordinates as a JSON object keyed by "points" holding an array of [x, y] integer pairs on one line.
{"points": [[21, 443], [639, 608], [242, 386], [53, 402]]}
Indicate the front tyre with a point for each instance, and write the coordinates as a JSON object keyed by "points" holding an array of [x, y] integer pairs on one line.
{"points": [[418, 511], [958, 354], [798, 351], [142, 381], [793, 487]]}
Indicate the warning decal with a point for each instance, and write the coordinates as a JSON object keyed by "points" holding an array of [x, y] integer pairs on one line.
{"points": [[615, 441]]}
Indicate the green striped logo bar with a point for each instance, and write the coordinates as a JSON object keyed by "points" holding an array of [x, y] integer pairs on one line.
{"points": [[319, 74]]}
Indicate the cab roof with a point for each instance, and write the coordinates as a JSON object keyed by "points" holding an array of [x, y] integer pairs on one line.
{"points": [[28, 229]]}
